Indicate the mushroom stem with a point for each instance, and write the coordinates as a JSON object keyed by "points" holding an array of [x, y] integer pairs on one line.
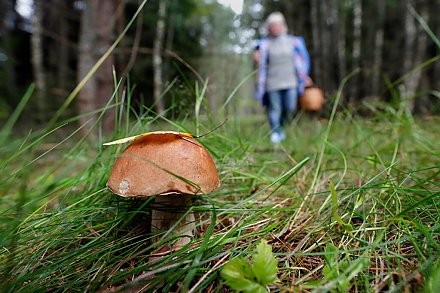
{"points": [[169, 210]]}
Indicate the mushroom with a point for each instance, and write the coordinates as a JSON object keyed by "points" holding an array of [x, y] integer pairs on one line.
{"points": [[171, 166]]}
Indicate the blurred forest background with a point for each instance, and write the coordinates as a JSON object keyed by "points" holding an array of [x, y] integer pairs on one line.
{"points": [[175, 43]]}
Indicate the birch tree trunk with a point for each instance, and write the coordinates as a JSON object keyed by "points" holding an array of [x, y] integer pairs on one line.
{"points": [[157, 57], [415, 50], [37, 58]]}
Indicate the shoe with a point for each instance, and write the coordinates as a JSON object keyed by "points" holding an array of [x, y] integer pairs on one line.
{"points": [[282, 135], [275, 138]]}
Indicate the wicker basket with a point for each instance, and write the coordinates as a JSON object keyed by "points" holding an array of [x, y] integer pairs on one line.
{"points": [[312, 99]]}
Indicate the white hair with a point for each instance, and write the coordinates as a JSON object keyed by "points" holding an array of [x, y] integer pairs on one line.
{"points": [[274, 17]]}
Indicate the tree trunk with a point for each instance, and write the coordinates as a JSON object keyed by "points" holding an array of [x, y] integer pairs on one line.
{"points": [[340, 35], [169, 41], [96, 37], [356, 53], [86, 98], [104, 19], [338, 38], [410, 37], [378, 48], [288, 9], [121, 59], [37, 59], [435, 79], [6, 44], [328, 68], [157, 57], [212, 91], [314, 15], [63, 49], [415, 48]]}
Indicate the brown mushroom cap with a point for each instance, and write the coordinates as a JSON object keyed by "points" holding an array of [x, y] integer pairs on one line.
{"points": [[163, 163]]}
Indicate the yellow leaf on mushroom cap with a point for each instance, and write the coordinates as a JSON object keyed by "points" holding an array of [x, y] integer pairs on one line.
{"points": [[133, 138], [163, 162]]}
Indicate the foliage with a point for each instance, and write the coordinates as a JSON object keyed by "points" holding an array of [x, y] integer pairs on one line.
{"points": [[182, 49], [206, 36], [182, 37], [240, 275]]}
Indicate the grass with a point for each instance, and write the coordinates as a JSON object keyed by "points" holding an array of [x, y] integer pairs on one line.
{"points": [[347, 204]]}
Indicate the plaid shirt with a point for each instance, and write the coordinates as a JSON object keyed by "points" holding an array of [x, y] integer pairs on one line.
{"points": [[301, 63]]}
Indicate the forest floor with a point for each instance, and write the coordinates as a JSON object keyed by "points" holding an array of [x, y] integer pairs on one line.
{"points": [[347, 204]]}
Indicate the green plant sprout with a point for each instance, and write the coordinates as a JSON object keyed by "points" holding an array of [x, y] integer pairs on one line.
{"points": [[241, 275]]}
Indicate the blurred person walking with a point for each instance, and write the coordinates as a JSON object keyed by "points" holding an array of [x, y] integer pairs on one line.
{"points": [[283, 68]]}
